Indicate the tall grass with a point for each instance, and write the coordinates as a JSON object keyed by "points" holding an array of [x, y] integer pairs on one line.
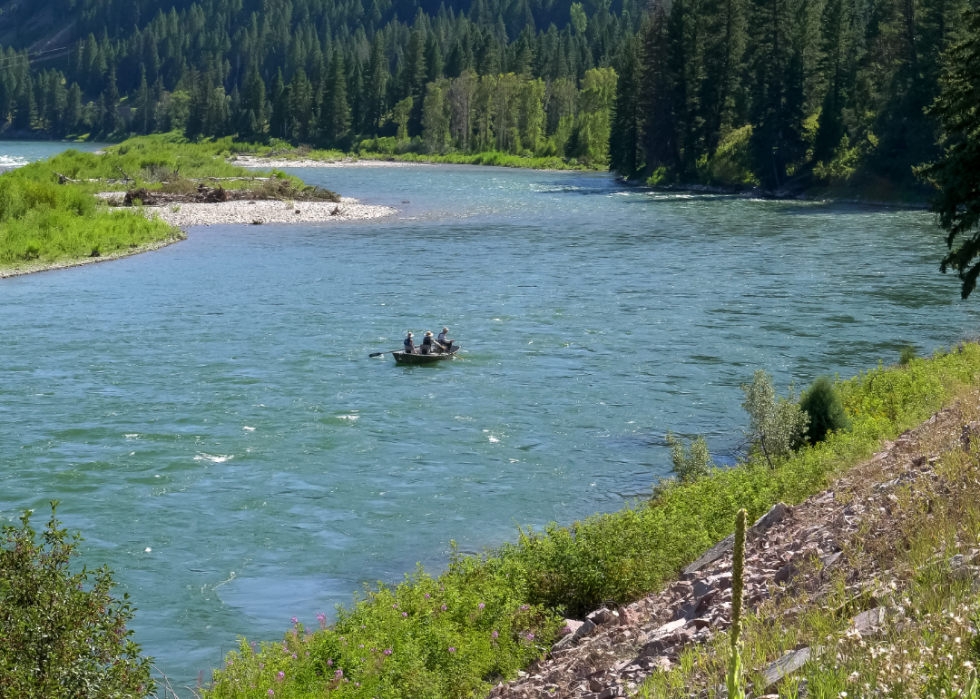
{"points": [[444, 644]]}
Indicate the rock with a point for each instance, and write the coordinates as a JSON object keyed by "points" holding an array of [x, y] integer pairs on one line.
{"points": [[829, 561], [600, 616], [711, 555], [786, 665], [666, 629], [971, 430], [653, 648], [586, 627], [626, 616], [572, 625], [722, 581], [869, 622], [775, 515], [595, 686], [257, 222], [701, 588], [700, 623], [784, 574]]}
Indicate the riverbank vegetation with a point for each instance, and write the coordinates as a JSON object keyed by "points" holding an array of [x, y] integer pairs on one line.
{"points": [[485, 617], [49, 213], [62, 634]]}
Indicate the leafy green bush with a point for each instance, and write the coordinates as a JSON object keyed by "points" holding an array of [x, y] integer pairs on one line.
{"points": [[691, 462], [822, 402], [61, 633], [907, 355], [776, 425]]}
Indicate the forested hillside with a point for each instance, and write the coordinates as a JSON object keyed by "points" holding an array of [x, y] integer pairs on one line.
{"points": [[778, 93]]}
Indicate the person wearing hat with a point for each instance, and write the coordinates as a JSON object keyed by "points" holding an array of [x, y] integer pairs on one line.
{"points": [[445, 344], [427, 342], [409, 344]]}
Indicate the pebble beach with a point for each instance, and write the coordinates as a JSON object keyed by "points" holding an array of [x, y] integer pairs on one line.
{"points": [[256, 212]]}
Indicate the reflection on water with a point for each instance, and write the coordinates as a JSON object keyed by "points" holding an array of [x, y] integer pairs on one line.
{"points": [[213, 402]]}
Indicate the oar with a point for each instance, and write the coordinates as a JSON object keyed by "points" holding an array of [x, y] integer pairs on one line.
{"points": [[378, 354]]}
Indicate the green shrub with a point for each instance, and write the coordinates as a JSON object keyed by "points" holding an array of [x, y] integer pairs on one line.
{"points": [[692, 462], [776, 425], [61, 633], [822, 402], [907, 355]]}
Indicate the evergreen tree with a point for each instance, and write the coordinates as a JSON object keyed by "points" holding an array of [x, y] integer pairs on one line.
{"points": [[279, 119], [957, 172], [375, 87], [656, 98], [301, 106], [335, 117], [110, 121], [624, 139]]}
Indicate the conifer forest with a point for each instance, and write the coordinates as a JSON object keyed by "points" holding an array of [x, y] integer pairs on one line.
{"points": [[771, 93]]}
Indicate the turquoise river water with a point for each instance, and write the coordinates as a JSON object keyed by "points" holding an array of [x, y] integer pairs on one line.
{"points": [[210, 420]]}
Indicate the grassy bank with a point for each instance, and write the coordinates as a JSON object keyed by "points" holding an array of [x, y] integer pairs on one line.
{"points": [[911, 555], [486, 617], [50, 217]]}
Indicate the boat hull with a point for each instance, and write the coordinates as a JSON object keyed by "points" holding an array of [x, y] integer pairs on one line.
{"points": [[403, 358]]}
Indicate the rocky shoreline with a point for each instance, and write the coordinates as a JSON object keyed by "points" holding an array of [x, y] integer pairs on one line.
{"points": [[794, 555], [257, 212]]}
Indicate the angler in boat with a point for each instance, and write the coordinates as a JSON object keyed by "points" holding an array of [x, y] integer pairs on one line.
{"points": [[445, 344]]}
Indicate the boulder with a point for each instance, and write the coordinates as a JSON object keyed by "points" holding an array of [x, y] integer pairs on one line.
{"points": [[776, 514]]}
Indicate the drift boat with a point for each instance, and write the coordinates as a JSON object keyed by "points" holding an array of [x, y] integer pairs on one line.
{"points": [[405, 358]]}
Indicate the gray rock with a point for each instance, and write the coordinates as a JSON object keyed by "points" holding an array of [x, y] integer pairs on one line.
{"points": [[600, 616], [711, 555], [786, 665], [869, 622], [775, 515], [701, 588], [784, 574]]}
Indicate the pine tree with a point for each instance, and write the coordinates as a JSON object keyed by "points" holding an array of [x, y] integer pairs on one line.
{"points": [[142, 123], [724, 54], [111, 121], [301, 106], [73, 109], [253, 102], [660, 149], [624, 139], [279, 119], [375, 87], [957, 172], [335, 118]]}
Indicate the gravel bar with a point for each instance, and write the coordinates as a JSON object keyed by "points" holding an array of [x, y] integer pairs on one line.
{"points": [[263, 211]]}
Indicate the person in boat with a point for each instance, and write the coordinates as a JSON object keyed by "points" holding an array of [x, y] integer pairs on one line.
{"points": [[445, 344], [409, 344], [427, 344]]}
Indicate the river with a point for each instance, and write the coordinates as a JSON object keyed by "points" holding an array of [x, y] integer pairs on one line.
{"points": [[209, 418]]}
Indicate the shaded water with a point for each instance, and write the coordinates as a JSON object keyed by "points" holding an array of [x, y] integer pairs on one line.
{"points": [[209, 418]]}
